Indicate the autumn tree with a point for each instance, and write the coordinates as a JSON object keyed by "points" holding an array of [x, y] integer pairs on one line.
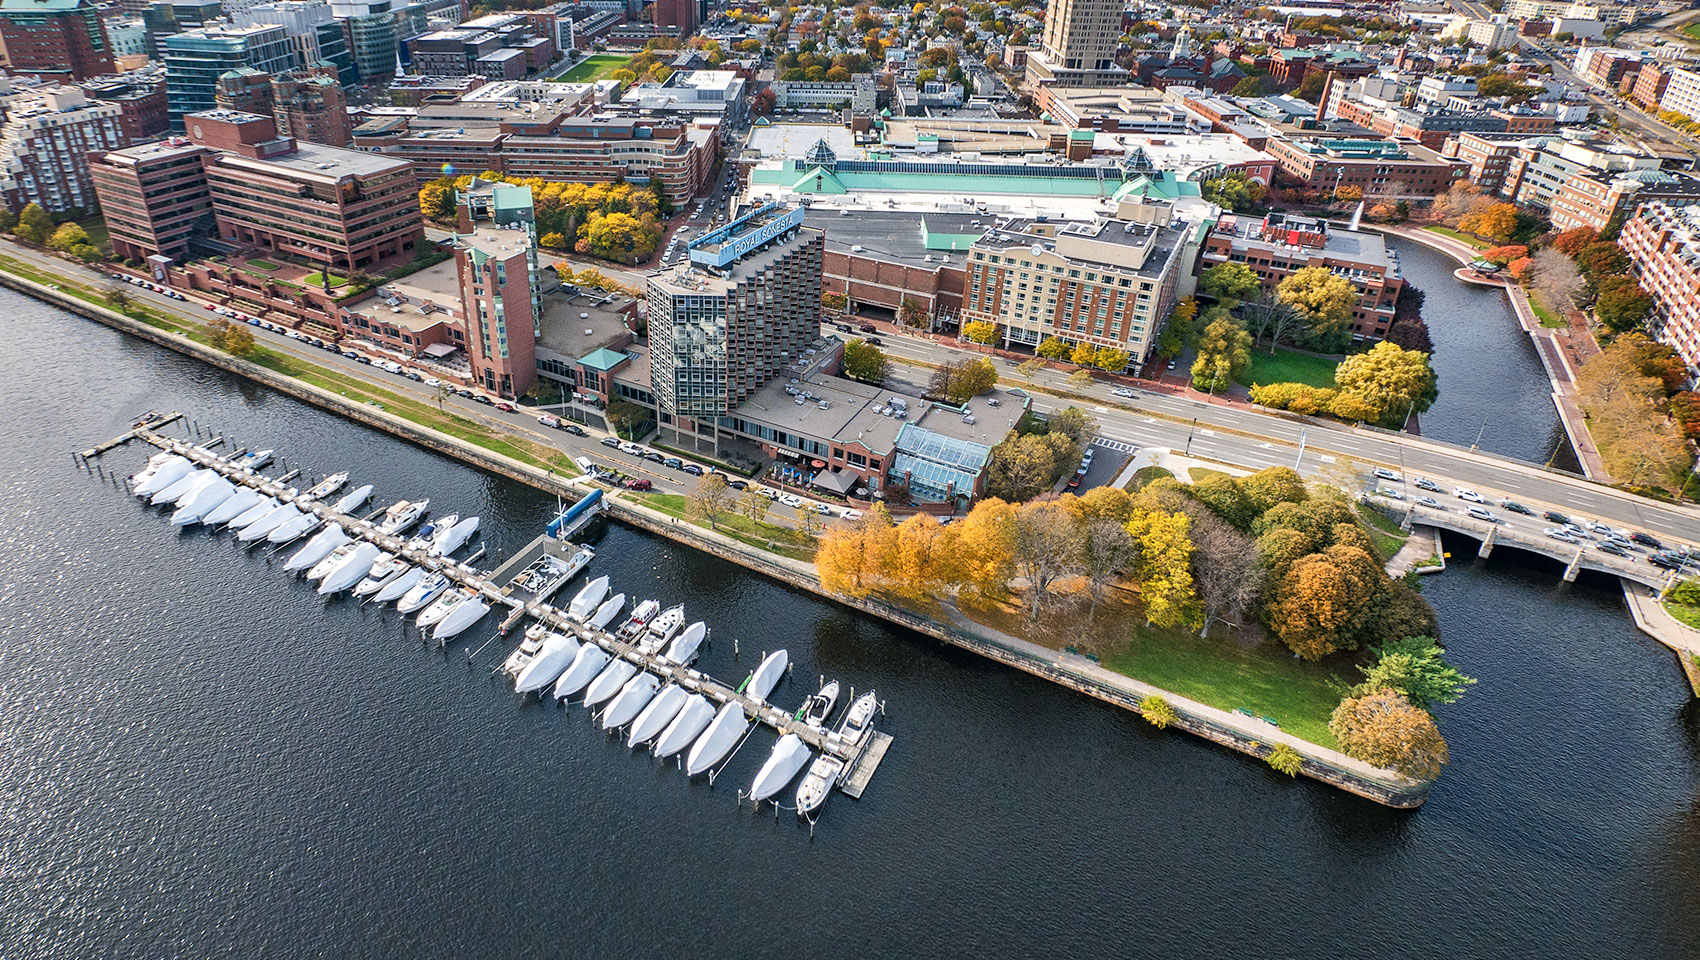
{"points": [[437, 200], [1044, 544], [983, 548], [710, 500], [1497, 222], [1324, 599], [1053, 348], [67, 236], [1556, 279], [866, 362], [1111, 359], [1104, 548], [921, 558], [1080, 427], [1572, 242], [1323, 300], [1023, 467], [980, 331], [1229, 284], [755, 505], [1273, 485], [1108, 503], [1389, 381], [911, 314], [1224, 497], [1505, 254], [1226, 567], [1163, 570], [1386, 730], [1416, 669], [1224, 355], [961, 380], [1084, 354]]}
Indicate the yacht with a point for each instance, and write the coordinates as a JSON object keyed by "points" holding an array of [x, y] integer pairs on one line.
{"points": [[462, 616], [252, 460], [584, 668], [203, 502], [211, 478], [684, 647], [443, 605], [657, 714], [608, 683], [327, 486], [782, 766], [693, 717], [639, 619], [634, 696], [428, 533], [818, 783], [722, 735], [355, 500], [261, 528], [254, 513], [291, 530], [819, 706], [610, 609], [423, 592], [454, 538], [588, 600], [859, 719], [316, 549], [766, 676], [332, 559], [662, 629], [399, 585], [529, 646], [401, 515], [188, 484], [156, 477], [387, 567], [549, 573], [553, 657], [351, 570], [243, 500]]}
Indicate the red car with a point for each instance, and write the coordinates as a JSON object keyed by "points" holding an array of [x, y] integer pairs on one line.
{"points": [[638, 483], [505, 407]]}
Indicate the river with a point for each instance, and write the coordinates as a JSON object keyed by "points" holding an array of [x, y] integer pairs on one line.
{"points": [[199, 757]]}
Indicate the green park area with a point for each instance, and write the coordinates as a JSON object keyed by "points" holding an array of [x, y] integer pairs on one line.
{"points": [[1290, 366], [317, 279], [1460, 237], [594, 67]]}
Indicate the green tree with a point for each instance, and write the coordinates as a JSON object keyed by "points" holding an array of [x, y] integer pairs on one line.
{"points": [[1286, 760], [1416, 669], [1389, 381], [911, 314], [1229, 284], [8, 219], [1158, 711], [1386, 730], [1233, 191], [1323, 300], [865, 362], [1623, 306], [1273, 485], [1080, 427], [1053, 348], [1224, 355], [67, 236], [1311, 88], [755, 505], [34, 225]]}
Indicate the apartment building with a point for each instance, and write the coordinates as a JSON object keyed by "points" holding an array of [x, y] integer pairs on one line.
{"points": [[54, 39], [1682, 93], [1078, 45], [45, 142], [195, 59], [140, 98], [1544, 164], [1280, 245], [500, 288], [1663, 244], [1388, 169], [312, 27]]}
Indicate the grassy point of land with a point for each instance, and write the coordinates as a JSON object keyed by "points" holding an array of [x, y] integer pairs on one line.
{"points": [[773, 538], [1460, 237], [1389, 538], [1683, 612], [1290, 366], [1145, 475], [594, 67]]}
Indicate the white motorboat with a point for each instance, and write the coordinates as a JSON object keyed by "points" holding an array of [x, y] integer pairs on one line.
{"points": [[441, 607], [262, 528], [332, 559], [254, 513], [584, 668], [605, 614], [252, 460], [783, 764], [458, 619], [188, 484], [327, 486], [608, 683], [351, 570], [684, 647], [530, 644], [694, 717], [722, 735], [203, 502], [316, 549], [386, 567], [554, 656], [401, 515], [766, 677], [818, 783], [398, 587], [634, 696], [662, 629], [639, 619], [423, 592], [428, 533], [657, 714], [355, 500], [455, 537], [859, 719], [211, 479], [244, 499], [157, 477], [291, 530], [819, 706], [588, 600]]}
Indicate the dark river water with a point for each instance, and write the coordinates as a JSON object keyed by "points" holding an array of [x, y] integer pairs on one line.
{"points": [[1492, 383], [199, 757]]}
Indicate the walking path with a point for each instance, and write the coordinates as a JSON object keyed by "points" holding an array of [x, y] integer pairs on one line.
{"points": [[1655, 621], [1423, 544]]}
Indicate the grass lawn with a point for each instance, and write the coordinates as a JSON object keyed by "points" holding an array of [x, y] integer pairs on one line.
{"points": [[785, 541], [1145, 475], [1290, 366], [594, 67], [1389, 539], [259, 264], [95, 227], [1460, 237], [317, 279], [1683, 612], [1693, 30], [1548, 319]]}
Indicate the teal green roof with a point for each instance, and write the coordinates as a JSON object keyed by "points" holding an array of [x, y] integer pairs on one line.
{"points": [[947, 241], [1081, 135], [603, 359], [944, 181], [1167, 188], [506, 197], [818, 180]]}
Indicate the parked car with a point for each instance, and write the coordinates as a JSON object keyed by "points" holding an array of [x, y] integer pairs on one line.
{"points": [[610, 442], [823, 509], [850, 514], [876, 341], [549, 421], [631, 448], [696, 471], [481, 398], [845, 327], [350, 354], [790, 500], [654, 457], [868, 328], [415, 376], [673, 463], [572, 428], [506, 407], [638, 483], [433, 382]]}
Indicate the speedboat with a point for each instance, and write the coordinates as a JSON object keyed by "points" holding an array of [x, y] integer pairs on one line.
{"points": [[423, 592], [584, 668], [401, 515], [782, 766], [386, 566], [693, 718], [639, 619], [729, 724], [205, 481], [555, 655], [819, 706], [462, 616], [766, 676], [662, 629], [634, 696], [818, 783], [859, 719], [454, 538], [155, 478], [254, 513], [291, 530], [684, 647], [530, 644], [327, 486], [355, 500], [428, 533], [398, 587], [316, 549], [657, 714], [588, 599], [351, 570], [610, 609], [240, 502], [203, 502], [608, 683], [322, 567], [263, 527], [188, 484], [440, 607], [252, 460]]}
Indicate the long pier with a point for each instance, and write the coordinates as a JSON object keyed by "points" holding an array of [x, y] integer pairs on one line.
{"points": [[861, 755]]}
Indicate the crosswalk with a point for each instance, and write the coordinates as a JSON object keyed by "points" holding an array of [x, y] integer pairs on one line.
{"points": [[1118, 445]]}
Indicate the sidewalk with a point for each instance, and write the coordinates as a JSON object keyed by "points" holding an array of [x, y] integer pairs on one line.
{"points": [[1655, 621]]}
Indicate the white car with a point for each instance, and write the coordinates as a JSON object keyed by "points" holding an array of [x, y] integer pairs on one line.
{"points": [[850, 514], [790, 500], [823, 509], [1382, 473], [433, 382], [1482, 513], [1430, 503], [1122, 392], [1470, 495], [631, 448], [1389, 493], [768, 492], [1559, 533]]}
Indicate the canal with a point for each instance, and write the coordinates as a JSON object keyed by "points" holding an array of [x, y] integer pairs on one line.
{"points": [[199, 757]]}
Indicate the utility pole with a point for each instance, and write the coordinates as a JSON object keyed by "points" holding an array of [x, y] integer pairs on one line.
{"points": [[1189, 434]]}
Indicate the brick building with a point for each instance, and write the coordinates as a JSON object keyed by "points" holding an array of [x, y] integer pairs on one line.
{"points": [[876, 259], [55, 39], [153, 197], [1663, 244], [45, 144], [1281, 244], [141, 99], [500, 292], [1394, 170]]}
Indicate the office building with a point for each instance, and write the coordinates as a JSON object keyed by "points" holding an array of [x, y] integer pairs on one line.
{"points": [[140, 95], [1078, 46], [1387, 169], [45, 144], [164, 18], [1663, 244], [1543, 164], [154, 197], [1280, 245], [315, 31], [54, 39], [682, 15], [195, 59], [500, 293]]}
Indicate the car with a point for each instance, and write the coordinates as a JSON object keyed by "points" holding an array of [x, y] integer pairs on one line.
{"points": [[1382, 473], [673, 463], [414, 376], [1559, 533], [1666, 561], [365, 360], [1389, 493], [481, 398], [1074, 481], [572, 428], [1601, 528], [850, 514], [1577, 531], [1171, 365], [432, 382], [1470, 495], [696, 471], [610, 442], [1424, 483], [1556, 517], [1622, 544], [1516, 507], [1122, 392], [210, 307], [845, 327], [868, 328], [253, 321], [768, 492], [823, 509], [506, 407], [1647, 540], [626, 446], [637, 483], [1482, 513], [1430, 503], [734, 483], [1612, 549], [549, 421], [876, 341], [654, 457], [350, 354], [460, 392]]}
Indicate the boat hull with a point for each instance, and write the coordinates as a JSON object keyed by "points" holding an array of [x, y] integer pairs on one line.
{"points": [[588, 599], [426, 591], [787, 760], [239, 503], [460, 618], [552, 659], [767, 676], [262, 528], [350, 571], [729, 724], [589, 662], [608, 683], [254, 513], [396, 589], [316, 549], [657, 714], [355, 500], [610, 609], [693, 718], [634, 696]]}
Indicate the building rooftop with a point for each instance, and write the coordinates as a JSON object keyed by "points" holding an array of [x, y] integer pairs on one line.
{"points": [[159, 150], [418, 301], [329, 163], [579, 323], [922, 240], [1360, 246]]}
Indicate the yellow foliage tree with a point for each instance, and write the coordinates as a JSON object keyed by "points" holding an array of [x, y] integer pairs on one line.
{"points": [[1164, 568], [1387, 730]]}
